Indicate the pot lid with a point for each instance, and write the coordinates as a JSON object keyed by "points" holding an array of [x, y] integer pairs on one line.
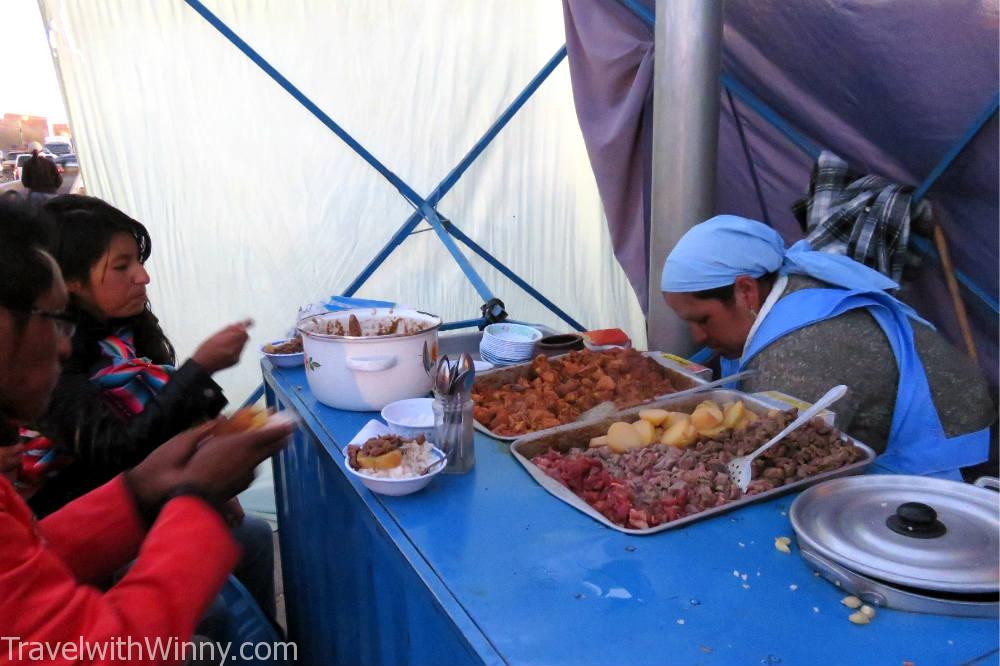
{"points": [[914, 531]]}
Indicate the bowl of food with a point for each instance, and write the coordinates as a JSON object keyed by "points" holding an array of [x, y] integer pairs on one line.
{"points": [[394, 465], [410, 418], [284, 353]]}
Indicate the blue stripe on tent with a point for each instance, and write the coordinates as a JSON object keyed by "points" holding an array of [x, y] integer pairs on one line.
{"points": [[408, 192], [927, 248], [959, 146], [449, 181]]}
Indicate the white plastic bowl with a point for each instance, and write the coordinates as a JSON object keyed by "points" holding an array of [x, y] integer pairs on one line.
{"points": [[411, 417], [513, 334], [283, 360], [398, 487]]}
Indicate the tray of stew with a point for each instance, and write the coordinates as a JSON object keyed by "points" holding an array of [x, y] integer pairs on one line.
{"points": [[554, 391], [649, 469]]}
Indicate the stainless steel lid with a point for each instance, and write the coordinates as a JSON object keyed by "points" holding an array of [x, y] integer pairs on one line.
{"points": [[915, 531]]}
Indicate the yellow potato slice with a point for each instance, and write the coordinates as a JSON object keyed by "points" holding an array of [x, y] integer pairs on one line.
{"points": [[711, 432], [598, 442], [748, 418], [681, 434], [733, 414], [384, 461], [706, 416], [623, 437], [646, 431], [654, 416], [674, 417]]}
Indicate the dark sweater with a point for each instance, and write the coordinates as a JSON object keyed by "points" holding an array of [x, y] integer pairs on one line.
{"points": [[852, 349], [103, 442]]}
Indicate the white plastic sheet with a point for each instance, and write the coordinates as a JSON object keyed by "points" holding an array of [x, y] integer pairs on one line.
{"points": [[255, 207]]}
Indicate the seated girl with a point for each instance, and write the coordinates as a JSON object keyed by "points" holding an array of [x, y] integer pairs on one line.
{"points": [[120, 394]]}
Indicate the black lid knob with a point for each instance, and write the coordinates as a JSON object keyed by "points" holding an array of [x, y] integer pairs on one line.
{"points": [[916, 519]]}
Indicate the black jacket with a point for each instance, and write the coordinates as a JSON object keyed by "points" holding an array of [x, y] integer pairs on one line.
{"points": [[40, 175], [103, 442]]}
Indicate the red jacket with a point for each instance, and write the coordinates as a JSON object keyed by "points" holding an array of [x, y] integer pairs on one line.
{"points": [[47, 568]]}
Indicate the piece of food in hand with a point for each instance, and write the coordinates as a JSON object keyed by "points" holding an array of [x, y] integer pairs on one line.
{"points": [[606, 336], [706, 416], [654, 416], [681, 434], [623, 437], [598, 442], [244, 420], [646, 431]]}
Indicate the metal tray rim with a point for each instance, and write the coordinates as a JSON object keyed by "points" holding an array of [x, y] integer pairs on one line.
{"points": [[577, 503]]}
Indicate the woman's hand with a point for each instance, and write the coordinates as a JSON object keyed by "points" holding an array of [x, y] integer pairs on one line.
{"points": [[223, 349], [220, 466]]}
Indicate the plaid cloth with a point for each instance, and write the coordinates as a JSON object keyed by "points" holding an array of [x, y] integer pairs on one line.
{"points": [[866, 218]]}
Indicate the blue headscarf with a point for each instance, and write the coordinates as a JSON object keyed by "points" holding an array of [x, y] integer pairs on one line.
{"points": [[714, 253]]}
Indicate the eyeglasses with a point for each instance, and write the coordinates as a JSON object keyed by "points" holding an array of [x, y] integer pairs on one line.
{"points": [[64, 322]]}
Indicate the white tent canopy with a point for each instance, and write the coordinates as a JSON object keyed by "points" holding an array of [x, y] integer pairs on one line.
{"points": [[255, 207]]}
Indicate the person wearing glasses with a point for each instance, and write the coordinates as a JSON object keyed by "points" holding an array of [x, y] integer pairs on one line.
{"points": [[164, 513], [121, 394]]}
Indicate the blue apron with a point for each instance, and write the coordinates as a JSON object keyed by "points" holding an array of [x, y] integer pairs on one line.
{"points": [[917, 442]]}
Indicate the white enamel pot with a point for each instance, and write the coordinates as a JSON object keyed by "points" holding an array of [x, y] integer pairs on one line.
{"points": [[366, 373]]}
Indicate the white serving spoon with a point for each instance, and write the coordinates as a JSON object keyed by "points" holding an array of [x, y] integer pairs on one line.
{"points": [[739, 467]]}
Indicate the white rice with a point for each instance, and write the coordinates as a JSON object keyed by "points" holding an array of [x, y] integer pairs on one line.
{"points": [[416, 458]]}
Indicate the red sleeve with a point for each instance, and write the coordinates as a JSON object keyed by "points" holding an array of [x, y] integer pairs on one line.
{"points": [[89, 553], [182, 565]]}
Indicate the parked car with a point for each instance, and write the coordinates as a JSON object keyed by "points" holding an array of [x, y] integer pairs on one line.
{"points": [[19, 164], [10, 161], [62, 151]]}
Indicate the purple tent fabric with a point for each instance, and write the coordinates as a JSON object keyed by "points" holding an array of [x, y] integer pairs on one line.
{"points": [[888, 86], [610, 55]]}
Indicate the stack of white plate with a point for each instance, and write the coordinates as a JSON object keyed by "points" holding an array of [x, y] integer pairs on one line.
{"points": [[507, 344]]}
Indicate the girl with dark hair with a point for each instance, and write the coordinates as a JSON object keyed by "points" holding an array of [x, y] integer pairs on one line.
{"points": [[120, 395], [163, 512]]}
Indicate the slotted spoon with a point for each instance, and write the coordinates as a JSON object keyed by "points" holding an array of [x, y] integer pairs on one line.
{"points": [[739, 467]]}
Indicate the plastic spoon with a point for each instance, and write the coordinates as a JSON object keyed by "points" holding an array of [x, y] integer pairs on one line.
{"points": [[739, 467]]}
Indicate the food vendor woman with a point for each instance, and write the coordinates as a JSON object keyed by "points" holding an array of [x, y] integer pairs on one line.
{"points": [[807, 320]]}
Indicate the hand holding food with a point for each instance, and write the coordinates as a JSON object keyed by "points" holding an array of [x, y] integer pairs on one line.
{"points": [[222, 350]]}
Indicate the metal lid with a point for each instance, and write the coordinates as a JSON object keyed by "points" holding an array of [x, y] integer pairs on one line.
{"points": [[915, 531]]}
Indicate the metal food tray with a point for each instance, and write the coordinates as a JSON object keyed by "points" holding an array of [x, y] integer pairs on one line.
{"points": [[578, 435], [511, 373]]}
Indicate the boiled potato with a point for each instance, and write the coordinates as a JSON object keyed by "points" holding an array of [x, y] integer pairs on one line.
{"points": [[384, 461], [733, 414], [623, 437], [674, 417], [646, 431], [598, 442], [681, 434], [712, 432], [706, 416], [748, 418], [654, 416]]}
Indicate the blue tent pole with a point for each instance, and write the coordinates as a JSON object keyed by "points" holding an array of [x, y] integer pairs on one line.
{"points": [[514, 277], [408, 192], [456, 173]]}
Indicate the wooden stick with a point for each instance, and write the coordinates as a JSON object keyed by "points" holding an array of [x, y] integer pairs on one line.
{"points": [[956, 296]]}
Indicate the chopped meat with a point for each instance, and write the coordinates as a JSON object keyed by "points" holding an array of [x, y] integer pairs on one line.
{"points": [[558, 391], [647, 487]]}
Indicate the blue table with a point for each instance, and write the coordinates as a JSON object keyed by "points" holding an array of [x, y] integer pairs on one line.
{"points": [[489, 568]]}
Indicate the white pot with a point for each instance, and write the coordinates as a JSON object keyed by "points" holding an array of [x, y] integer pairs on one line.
{"points": [[362, 374]]}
